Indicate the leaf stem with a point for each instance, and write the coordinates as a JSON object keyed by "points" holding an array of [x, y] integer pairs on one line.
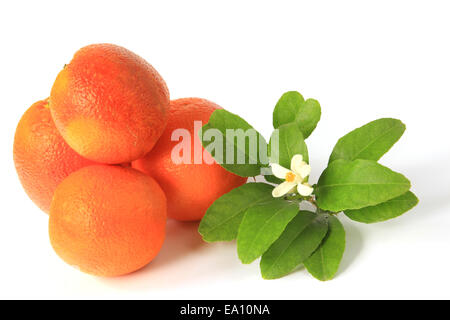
{"points": [[310, 199]]}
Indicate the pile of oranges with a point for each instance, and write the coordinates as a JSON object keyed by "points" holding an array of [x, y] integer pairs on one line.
{"points": [[97, 157]]}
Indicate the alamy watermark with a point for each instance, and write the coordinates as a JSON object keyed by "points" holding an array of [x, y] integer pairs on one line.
{"points": [[235, 146]]}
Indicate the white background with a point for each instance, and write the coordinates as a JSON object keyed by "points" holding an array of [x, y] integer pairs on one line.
{"points": [[361, 59]]}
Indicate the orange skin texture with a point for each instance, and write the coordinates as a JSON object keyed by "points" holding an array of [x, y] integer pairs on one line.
{"points": [[41, 156], [190, 188], [109, 104], [108, 220]]}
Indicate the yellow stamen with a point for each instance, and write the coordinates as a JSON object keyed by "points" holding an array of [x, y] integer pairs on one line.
{"points": [[290, 177]]}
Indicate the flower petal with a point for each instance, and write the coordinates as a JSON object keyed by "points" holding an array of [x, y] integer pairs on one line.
{"points": [[282, 189], [304, 189], [279, 171], [304, 170], [295, 161]]}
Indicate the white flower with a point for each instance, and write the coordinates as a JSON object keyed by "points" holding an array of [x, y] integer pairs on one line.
{"points": [[294, 177]]}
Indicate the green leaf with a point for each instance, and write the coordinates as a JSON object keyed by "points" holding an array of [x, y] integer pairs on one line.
{"points": [[262, 225], [309, 116], [292, 108], [272, 179], [370, 141], [247, 149], [222, 219], [290, 142], [296, 244], [384, 211], [324, 262], [358, 184], [287, 108]]}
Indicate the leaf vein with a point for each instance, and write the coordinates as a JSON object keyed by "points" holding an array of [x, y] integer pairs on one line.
{"points": [[234, 215], [374, 140], [265, 223], [361, 183]]}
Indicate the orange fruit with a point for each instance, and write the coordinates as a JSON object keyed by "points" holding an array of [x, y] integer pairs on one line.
{"points": [[190, 188], [109, 104], [41, 156], [108, 220]]}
